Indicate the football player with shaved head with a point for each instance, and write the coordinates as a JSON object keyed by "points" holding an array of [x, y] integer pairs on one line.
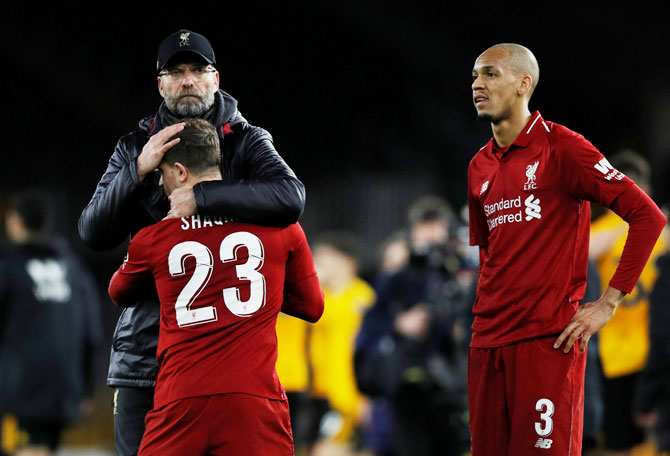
{"points": [[529, 189]]}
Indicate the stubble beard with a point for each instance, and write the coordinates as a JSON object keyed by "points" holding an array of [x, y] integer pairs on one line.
{"points": [[190, 108], [487, 118]]}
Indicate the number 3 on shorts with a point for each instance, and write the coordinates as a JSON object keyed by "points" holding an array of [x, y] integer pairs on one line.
{"points": [[546, 407]]}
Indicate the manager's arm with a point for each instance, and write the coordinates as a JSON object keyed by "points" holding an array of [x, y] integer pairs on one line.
{"points": [[269, 194], [107, 219]]}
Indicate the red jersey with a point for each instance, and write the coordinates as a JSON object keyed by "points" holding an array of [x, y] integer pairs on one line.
{"points": [[530, 215], [221, 285]]}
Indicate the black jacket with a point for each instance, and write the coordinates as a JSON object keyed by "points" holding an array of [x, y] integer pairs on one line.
{"points": [[653, 390], [49, 330], [384, 359], [257, 187]]}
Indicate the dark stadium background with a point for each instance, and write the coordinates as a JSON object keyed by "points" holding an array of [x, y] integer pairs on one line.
{"points": [[368, 101]]}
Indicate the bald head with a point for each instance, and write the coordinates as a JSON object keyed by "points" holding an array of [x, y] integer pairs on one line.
{"points": [[520, 60]]}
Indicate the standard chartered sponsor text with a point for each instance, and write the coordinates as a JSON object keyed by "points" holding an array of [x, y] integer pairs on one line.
{"points": [[502, 204], [507, 218], [532, 207]]}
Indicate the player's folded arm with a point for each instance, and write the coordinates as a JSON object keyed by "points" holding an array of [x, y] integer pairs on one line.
{"points": [[304, 299], [645, 223], [134, 279], [126, 290]]}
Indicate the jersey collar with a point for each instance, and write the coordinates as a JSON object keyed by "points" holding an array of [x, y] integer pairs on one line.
{"points": [[535, 124]]}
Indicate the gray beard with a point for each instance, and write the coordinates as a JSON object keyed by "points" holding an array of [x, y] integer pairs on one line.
{"points": [[193, 109]]}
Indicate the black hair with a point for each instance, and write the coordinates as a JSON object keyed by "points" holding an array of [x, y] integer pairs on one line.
{"points": [[35, 208]]}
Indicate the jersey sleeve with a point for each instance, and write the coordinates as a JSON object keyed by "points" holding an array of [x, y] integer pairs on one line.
{"points": [[479, 230], [589, 176], [586, 172], [303, 297], [645, 223], [134, 278]]}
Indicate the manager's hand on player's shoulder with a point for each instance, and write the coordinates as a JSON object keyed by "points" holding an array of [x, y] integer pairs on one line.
{"points": [[182, 203], [589, 318], [154, 150]]}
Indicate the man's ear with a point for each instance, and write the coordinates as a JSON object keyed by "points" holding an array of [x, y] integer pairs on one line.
{"points": [[183, 172], [525, 85], [160, 86], [14, 226]]}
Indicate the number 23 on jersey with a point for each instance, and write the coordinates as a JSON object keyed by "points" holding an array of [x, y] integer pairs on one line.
{"points": [[203, 272]]}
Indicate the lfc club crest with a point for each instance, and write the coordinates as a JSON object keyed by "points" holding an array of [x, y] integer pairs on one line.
{"points": [[530, 174]]}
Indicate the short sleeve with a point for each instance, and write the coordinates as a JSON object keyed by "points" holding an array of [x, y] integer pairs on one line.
{"points": [[587, 173]]}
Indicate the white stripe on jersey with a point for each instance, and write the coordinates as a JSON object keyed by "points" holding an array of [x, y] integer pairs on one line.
{"points": [[533, 124]]}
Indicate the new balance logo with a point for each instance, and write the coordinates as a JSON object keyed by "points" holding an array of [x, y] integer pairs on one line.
{"points": [[485, 185], [533, 208], [543, 443]]}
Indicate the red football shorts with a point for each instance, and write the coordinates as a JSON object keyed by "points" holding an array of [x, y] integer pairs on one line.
{"points": [[526, 399], [224, 424]]}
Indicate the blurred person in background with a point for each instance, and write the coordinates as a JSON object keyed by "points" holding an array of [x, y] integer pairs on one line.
{"points": [[379, 431], [294, 372], [257, 187], [624, 342], [593, 377], [394, 256], [652, 399], [412, 348], [338, 409], [49, 330]]}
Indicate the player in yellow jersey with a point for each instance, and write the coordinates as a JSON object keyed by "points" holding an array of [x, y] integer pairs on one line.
{"points": [[293, 371], [332, 341], [624, 341]]}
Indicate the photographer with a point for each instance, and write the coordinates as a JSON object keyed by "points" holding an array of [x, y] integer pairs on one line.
{"points": [[412, 346]]}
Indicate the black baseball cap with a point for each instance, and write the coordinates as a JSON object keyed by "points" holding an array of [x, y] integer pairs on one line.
{"points": [[184, 41]]}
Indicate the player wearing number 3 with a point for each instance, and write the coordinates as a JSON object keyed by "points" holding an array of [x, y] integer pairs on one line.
{"points": [[528, 193], [221, 285]]}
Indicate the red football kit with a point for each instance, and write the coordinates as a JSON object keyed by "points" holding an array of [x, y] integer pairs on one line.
{"points": [[530, 216], [221, 285]]}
